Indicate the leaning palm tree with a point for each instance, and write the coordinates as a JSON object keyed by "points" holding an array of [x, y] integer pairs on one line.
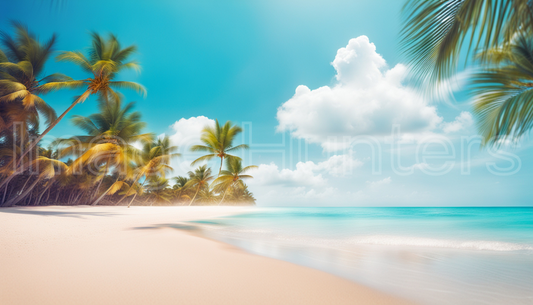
{"points": [[435, 32], [21, 69], [199, 179], [504, 91], [109, 143], [233, 176], [218, 142], [106, 59], [47, 169]]}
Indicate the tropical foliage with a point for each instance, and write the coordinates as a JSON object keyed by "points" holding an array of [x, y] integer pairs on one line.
{"points": [[218, 143], [493, 35], [115, 160]]}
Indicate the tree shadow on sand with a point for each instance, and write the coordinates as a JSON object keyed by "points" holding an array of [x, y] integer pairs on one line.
{"points": [[27, 211]]}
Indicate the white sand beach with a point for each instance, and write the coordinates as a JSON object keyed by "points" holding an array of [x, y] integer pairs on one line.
{"points": [[114, 255]]}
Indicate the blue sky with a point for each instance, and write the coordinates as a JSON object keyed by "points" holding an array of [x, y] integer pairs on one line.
{"points": [[243, 60]]}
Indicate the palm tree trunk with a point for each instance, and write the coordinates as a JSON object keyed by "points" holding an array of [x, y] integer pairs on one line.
{"points": [[81, 99], [125, 195], [131, 199], [44, 192], [17, 199], [100, 183], [4, 197], [224, 196], [194, 195], [102, 196], [221, 162], [22, 189], [107, 191]]}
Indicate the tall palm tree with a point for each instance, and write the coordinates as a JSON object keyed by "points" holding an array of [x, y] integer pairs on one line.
{"points": [[21, 69], [504, 91], [154, 160], [435, 32], [199, 179], [106, 59], [21, 75], [232, 176], [109, 143], [218, 142]]}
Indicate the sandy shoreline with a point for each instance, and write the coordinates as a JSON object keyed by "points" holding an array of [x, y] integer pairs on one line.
{"points": [[115, 255]]}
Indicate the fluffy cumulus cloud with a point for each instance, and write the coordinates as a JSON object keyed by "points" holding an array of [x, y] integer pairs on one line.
{"points": [[462, 121], [379, 183], [271, 174], [367, 99], [186, 132], [306, 174]]}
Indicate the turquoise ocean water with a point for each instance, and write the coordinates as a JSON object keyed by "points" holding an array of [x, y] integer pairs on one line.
{"points": [[429, 255]]}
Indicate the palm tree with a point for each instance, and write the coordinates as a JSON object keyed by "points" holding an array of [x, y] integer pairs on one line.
{"points": [[47, 168], [106, 59], [199, 179], [109, 143], [435, 32], [21, 69], [242, 194], [218, 142], [233, 176], [154, 160], [158, 189], [180, 187], [504, 91], [207, 196]]}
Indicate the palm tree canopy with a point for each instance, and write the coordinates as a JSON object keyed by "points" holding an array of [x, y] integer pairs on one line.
{"points": [[435, 31], [234, 173], [218, 142], [106, 58], [111, 135], [503, 91], [180, 181], [21, 66], [200, 177]]}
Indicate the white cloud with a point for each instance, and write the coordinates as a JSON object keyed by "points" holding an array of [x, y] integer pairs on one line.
{"points": [[375, 184], [421, 166], [337, 165], [270, 174], [306, 173], [187, 131], [366, 100], [462, 121]]}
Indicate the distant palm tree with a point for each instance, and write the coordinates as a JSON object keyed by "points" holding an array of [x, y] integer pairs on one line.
{"points": [[232, 176], [180, 187], [154, 160], [199, 179], [207, 196], [218, 142], [158, 189], [504, 91]]}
